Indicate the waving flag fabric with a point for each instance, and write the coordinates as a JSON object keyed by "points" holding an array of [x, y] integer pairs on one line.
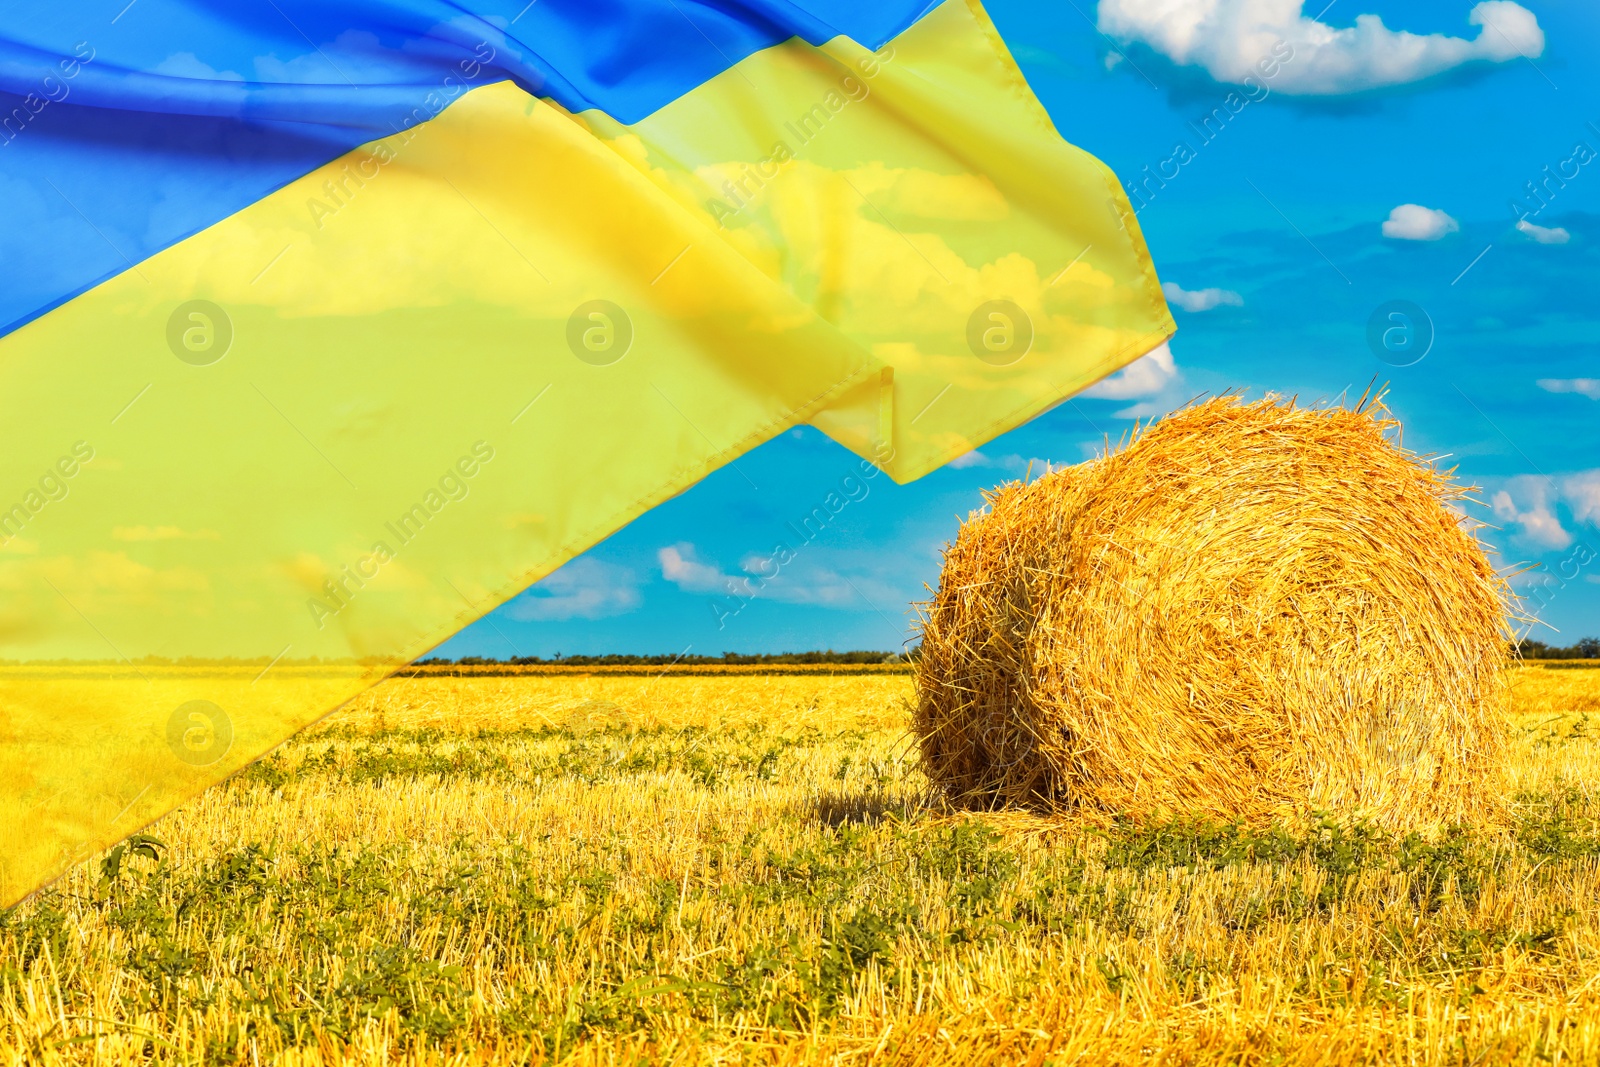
{"points": [[331, 326]]}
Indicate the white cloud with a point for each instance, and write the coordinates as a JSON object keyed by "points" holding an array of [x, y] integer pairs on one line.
{"points": [[805, 581], [1234, 41], [680, 567], [585, 588], [1200, 299], [1526, 507], [1144, 377], [1583, 496], [355, 56], [1589, 387], [971, 459], [1413, 222], [1534, 526], [189, 65], [1545, 235], [801, 578], [1012, 464]]}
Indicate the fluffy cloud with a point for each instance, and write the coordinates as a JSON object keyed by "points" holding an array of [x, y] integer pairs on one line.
{"points": [[1583, 496], [680, 567], [1413, 222], [100, 584], [810, 581], [1230, 40], [1012, 464], [189, 65], [1144, 377], [971, 459], [1534, 525], [586, 588], [1526, 506], [1200, 299], [803, 579], [1545, 235], [1589, 387]]}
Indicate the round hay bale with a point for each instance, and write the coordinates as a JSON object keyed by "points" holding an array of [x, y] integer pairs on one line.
{"points": [[1253, 612]]}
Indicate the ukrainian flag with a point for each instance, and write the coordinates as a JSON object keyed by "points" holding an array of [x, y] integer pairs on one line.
{"points": [[329, 326]]}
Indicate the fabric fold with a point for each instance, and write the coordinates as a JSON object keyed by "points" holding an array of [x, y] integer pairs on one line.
{"points": [[282, 452]]}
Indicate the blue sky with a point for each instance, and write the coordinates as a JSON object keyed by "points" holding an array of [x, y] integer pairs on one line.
{"points": [[1281, 235]]}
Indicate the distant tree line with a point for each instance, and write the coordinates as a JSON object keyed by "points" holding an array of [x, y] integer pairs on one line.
{"points": [[727, 658], [1588, 648]]}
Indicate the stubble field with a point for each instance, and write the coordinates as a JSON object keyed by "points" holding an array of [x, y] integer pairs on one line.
{"points": [[749, 869]]}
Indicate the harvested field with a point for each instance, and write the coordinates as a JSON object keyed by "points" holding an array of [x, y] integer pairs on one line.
{"points": [[748, 869]]}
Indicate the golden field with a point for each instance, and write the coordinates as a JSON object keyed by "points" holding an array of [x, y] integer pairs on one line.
{"points": [[747, 868]]}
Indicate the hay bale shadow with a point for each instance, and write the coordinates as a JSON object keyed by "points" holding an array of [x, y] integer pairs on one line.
{"points": [[866, 807]]}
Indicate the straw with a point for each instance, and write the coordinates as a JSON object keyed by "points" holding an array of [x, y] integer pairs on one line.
{"points": [[1253, 612]]}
